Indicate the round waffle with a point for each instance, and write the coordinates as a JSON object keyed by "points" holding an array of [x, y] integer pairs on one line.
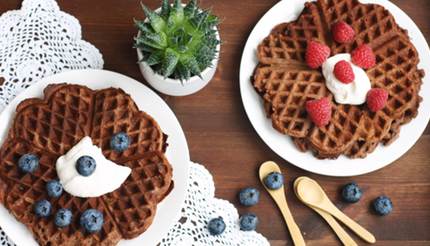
{"points": [[285, 82], [49, 127]]}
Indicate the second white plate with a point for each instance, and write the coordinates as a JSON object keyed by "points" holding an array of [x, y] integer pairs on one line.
{"points": [[286, 11]]}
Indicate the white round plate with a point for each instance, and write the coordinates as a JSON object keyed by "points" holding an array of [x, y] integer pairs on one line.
{"points": [[169, 210], [289, 10]]}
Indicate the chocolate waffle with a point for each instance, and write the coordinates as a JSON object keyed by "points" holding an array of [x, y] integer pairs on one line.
{"points": [[49, 127], [285, 82]]}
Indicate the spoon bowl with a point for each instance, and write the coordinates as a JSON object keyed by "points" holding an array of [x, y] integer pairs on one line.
{"points": [[265, 169], [280, 200], [311, 193], [343, 236]]}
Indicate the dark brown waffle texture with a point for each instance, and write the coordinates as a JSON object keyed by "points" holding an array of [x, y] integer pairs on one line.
{"points": [[49, 127], [285, 82]]}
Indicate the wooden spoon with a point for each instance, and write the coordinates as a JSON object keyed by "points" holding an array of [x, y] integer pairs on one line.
{"points": [[338, 230], [280, 200], [311, 193]]}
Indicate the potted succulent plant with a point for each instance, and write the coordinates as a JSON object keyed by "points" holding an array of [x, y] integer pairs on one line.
{"points": [[178, 47]]}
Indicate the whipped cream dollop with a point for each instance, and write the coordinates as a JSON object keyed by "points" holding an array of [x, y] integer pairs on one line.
{"points": [[107, 176], [353, 93]]}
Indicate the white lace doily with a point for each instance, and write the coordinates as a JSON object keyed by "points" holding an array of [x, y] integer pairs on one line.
{"points": [[201, 206], [37, 41]]}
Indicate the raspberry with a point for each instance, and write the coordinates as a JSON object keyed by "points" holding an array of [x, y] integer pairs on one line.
{"points": [[363, 56], [343, 72], [342, 32], [316, 54], [376, 99], [319, 110]]}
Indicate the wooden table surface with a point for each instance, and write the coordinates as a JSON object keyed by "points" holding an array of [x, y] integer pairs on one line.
{"points": [[221, 137]]}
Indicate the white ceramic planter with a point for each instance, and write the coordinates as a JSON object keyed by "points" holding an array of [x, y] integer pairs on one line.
{"points": [[174, 87]]}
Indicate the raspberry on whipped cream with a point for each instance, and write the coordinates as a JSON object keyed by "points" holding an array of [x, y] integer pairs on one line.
{"points": [[343, 72], [353, 93]]}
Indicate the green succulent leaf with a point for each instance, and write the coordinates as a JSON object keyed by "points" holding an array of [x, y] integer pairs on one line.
{"points": [[143, 26], [180, 38], [176, 15], [177, 36], [177, 4], [165, 9], [199, 18], [182, 72], [182, 48], [208, 26], [170, 61], [190, 8], [154, 40], [140, 45], [155, 58], [205, 56], [212, 20], [191, 64], [156, 21], [211, 41]]}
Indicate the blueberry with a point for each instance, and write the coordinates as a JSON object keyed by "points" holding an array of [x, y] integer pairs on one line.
{"points": [[382, 205], [120, 142], [274, 180], [248, 222], [216, 226], [42, 208], [85, 165], [249, 196], [91, 220], [28, 163], [351, 193], [63, 217], [54, 188]]}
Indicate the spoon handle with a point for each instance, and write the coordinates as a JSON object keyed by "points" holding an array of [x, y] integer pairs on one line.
{"points": [[294, 230], [340, 232], [354, 226]]}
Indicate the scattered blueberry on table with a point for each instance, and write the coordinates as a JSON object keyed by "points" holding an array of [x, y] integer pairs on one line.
{"points": [[63, 217], [92, 220], [249, 196], [42, 208], [248, 222], [54, 188], [274, 180], [382, 205], [28, 163], [216, 226], [351, 193], [120, 142], [85, 165]]}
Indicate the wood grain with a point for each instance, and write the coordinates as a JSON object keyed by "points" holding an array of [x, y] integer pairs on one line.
{"points": [[221, 137]]}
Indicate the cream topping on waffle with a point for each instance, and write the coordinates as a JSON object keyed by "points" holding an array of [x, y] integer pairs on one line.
{"points": [[107, 177], [353, 93]]}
